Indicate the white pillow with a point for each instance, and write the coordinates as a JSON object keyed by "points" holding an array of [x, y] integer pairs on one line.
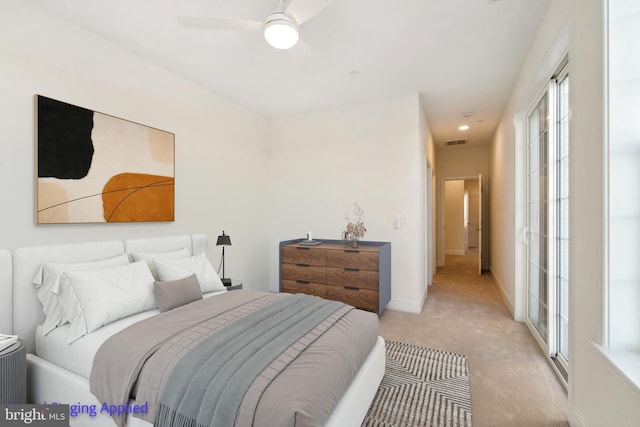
{"points": [[148, 257], [47, 281], [99, 297], [175, 269]]}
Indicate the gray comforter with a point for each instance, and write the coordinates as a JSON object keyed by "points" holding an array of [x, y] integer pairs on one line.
{"points": [[300, 383]]}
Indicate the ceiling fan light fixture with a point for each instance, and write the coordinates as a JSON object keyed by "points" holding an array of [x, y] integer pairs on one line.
{"points": [[280, 31]]}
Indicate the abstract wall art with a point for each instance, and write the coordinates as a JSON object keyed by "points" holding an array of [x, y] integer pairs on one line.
{"points": [[93, 167]]}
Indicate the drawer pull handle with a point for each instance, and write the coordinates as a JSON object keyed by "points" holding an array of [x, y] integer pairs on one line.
{"points": [[351, 288], [302, 265], [352, 251], [355, 270], [302, 249], [304, 282]]}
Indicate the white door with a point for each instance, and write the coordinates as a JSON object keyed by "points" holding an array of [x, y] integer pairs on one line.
{"points": [[480, 224], [537, 219], [547, 231]]}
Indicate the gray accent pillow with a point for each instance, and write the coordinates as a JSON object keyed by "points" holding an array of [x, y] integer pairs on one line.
{"points": [[175, 293]]}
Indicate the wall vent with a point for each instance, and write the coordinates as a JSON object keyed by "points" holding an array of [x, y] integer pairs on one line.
{"points": [[456, 142]]}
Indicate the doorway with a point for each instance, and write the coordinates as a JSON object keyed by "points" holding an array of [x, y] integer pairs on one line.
{"points": [[461, 220]]}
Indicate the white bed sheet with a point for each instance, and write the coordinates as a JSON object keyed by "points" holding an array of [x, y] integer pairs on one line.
{"points": [[78, 356]]}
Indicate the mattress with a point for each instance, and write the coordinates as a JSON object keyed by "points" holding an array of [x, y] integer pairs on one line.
{"points": [[78, 356]]}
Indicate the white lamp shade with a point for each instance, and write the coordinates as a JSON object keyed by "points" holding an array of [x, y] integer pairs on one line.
{"points": [[280, 31]]}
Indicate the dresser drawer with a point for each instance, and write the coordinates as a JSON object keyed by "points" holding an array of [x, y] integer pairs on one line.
{"points": [[297, 287], [308, 273], [360, 298], [353, 277], [298, 255], [353, 258]]}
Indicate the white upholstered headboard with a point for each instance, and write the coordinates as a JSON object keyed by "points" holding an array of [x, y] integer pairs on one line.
{"points": [[27, 310], [196, 244], [6, 293]]}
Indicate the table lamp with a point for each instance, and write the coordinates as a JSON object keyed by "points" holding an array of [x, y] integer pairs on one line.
{"points": [[224, 240]]}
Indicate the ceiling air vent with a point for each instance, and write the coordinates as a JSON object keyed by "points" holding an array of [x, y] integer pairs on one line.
{"points": [[456, 142]]}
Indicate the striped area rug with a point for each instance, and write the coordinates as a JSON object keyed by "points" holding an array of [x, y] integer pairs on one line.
{"points": [[421, 387]]}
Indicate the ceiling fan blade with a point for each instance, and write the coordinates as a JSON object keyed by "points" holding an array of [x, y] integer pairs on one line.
{"points": [[305, 59], [303, 10], [210, 23], [284, 4]]}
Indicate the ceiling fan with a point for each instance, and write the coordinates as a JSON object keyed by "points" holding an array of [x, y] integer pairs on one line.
{"points": [[280, 27]]}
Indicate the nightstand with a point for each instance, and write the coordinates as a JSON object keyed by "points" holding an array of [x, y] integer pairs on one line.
{"points": [[13, 374], [236, 285]]}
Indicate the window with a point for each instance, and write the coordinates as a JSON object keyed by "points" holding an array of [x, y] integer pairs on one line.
{"points": [[537, 203], [621, 346], [562, 221], [548, 218], [623, 177]]}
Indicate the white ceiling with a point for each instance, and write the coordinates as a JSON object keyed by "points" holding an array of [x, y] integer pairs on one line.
{"points": [[459, 55]]}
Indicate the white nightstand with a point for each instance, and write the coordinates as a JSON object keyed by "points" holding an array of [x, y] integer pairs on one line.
{"points": [[13, 374], [235, 285]]}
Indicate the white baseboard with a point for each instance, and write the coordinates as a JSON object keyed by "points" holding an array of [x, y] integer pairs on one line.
{"points": [[454, 252], [409, 306], [505, 297], [574, 418]]}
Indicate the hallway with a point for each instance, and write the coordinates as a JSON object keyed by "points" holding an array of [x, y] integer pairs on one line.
{"points": [[512, 384]]}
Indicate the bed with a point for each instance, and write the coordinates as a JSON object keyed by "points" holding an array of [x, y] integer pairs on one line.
{"points": [[58, 372]]}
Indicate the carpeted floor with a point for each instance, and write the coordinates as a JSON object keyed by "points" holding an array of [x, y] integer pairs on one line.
{"points": [[511, 382], [421, 388]]}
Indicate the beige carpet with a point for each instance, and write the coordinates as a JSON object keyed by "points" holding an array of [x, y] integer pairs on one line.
{"points": [[511, 382]]}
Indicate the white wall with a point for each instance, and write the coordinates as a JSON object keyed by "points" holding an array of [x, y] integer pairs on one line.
{"points": [[454, 217], [220, 148], [430, 186], [461, 162], [598, 395], [508, 157], [373, 154]]}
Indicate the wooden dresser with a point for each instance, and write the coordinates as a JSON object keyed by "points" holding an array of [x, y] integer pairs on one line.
{"points": [[357, 276]]}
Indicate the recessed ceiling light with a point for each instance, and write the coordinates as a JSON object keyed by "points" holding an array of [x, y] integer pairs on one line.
{"points": [[354, 73], [467, 114], [464, 127]]}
